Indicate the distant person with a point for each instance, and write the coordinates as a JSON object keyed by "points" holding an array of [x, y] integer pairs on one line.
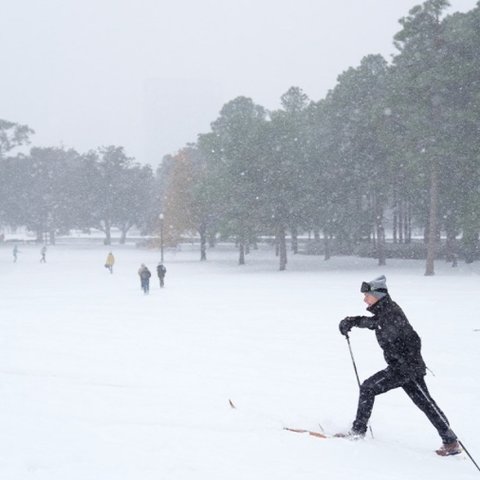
{"points": [[161, 272], [15, 253], [43, 253], [145, 275], [110, 261]]}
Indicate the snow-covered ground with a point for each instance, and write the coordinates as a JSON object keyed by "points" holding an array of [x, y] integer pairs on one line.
{"points": [[99, 382]]}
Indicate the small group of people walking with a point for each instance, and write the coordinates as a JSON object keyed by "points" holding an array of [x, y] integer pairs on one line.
{"points": [[145, 274]]}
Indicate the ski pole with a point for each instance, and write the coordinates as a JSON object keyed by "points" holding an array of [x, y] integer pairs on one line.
{"points": [[356, 373], [353, 360], [444, 420]]}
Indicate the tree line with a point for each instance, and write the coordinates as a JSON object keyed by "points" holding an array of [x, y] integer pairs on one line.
{"points": [[398, 140], [53, 190], [393, 146]]}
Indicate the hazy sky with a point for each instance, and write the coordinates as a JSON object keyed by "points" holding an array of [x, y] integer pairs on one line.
{"points": [[152, 74]]}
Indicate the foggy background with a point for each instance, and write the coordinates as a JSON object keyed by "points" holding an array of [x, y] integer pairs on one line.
{"points": [[150, 75]]}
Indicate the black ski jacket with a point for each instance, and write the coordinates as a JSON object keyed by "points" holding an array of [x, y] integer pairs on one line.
{"points": [[400, 343]]}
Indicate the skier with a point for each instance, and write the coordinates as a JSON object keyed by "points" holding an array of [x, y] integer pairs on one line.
{"points": [[401, 347], [43, 253], [15, 253], [145, 275], [161, 272], [109, 262]]}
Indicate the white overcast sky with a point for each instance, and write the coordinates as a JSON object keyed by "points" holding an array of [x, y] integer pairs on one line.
{"points": [[151, 74]]}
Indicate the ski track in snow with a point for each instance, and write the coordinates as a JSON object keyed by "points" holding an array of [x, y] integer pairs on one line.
{"points": [[98, 381]]}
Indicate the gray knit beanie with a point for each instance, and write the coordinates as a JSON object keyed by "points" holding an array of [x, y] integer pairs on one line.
{"points": [[376, 287]]}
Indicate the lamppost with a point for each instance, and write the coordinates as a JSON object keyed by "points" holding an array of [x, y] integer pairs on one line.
{"points": [[160, 217]]}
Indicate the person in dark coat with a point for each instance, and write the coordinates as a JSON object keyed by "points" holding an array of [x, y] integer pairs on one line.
{"points": [[43, 253], [401, 347], [145, 275], [161, 272]]}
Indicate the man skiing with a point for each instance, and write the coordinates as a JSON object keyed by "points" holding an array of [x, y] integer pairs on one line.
{"points": [[401, 347], [161, 272]]}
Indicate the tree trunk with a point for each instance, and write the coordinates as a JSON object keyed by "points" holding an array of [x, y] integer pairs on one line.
{"points": [[282, 241], [294, 240], [52, 237], [401, 223], [241, 248], [203, 242], [470, 243], [396, 217], [316, 235], [432, 223], [108, 235], [407, 224], [395, 223], [326, 239], [380, 231]]}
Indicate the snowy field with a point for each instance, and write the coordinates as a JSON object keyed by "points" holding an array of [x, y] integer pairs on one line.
{"points": [[99, 382]]}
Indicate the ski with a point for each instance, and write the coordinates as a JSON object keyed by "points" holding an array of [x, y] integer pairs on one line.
{"points": [[310, 432], [313, 433]]}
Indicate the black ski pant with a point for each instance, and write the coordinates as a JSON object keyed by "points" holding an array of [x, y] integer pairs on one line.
{"points": [[415, 388]]}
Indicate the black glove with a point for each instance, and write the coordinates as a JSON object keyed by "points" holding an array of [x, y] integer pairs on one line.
{"points": [[346, 325]]}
